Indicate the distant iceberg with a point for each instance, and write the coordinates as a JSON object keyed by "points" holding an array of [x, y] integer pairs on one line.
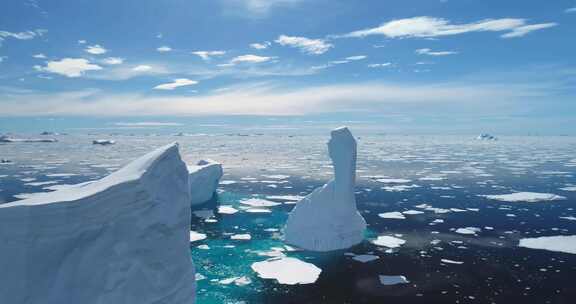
{"points": [[204, 178], [121, 239], [8, 139], [103, 142], [486, 136], [327, 219]]}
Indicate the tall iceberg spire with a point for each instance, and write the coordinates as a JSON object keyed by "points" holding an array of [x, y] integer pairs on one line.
{"points": [[120, 239], [327, 219]]}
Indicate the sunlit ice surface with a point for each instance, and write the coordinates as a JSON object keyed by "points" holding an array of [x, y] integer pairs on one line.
{"points": [[447, 213]]}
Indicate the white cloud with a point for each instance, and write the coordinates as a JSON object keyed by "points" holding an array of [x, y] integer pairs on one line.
{"points": [[570, 10], [180, 82], [306, 45], [81, 41], [206, 55], [354, 58], [260, 46], [380, 65], [250, 59], [429, 52], [142, 68], [148, 124], [273, 99], [27, 35], [422, 27], [258, 8], [39, 56], [69, 67], [95, 49], [164, 49], [113, 60], [523, 30]]}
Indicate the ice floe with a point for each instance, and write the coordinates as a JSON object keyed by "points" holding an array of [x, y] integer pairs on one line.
{"points": [[287, 270], [530, 197], [560, 243]]}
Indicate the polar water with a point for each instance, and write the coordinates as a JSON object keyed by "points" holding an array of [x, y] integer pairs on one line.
{"points": [[450, 219]]}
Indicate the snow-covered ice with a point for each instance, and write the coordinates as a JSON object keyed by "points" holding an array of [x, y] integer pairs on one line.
{"points": [[287, 270], [529, 197], [121, 239], [204, 179], [392, 215], [388, 241], [560, 243], [327, 219]]}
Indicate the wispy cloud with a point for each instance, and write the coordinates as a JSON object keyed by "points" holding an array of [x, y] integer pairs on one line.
{"points": [[425, 27], [380, 65], [27, 35], [570, 10], [250, 59], [256, 8], [69, 67], [270, 99], [95, 49], [429, 52], [179, 82], [306, 45], [164, 49], [207, 55], [113, 60], [260, 46]]}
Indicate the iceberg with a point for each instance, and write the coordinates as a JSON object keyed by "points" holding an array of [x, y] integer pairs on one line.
{"points": [[287, 270], [103, 142], [327, 219], [204, 178], [121, 239]]}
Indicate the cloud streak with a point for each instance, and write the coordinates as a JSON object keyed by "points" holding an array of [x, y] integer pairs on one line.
{"points": [[427, 27]]}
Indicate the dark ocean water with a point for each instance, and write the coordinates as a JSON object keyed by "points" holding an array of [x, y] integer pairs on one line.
{"points": [[415, 173]]}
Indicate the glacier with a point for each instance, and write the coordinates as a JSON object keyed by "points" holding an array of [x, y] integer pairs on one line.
{"points": [[121, 239], [203, 179], [327, 219]]}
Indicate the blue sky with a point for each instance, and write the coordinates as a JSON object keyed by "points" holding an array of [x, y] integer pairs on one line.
{"points": [[447, 66]]}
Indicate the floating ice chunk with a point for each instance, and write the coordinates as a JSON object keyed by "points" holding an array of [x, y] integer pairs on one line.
{"points": [[103, 142], [388, 241], [327, 219], [227, 209], [530, 197], [568, 188], [287, 270], [561, 243], [468, 230], [258, 210], [258, 202], [203, 180], [228, 182], [120, 239], [392, 215], [392, 280], [364, 258], [412, 212], [241, 237], [285, 197], [451, 262], [196, 236], [570, 218], [393, 180], [8, 139]]}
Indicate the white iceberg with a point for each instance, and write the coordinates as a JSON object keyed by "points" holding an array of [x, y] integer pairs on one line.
{"points": [[560, 243], [388, 241], [529, 197], [286, 270], [120, 239], [327, 219], [204, 179]]}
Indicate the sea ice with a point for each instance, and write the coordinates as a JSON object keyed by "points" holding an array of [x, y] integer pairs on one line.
{"points": [[365, 258], [530, 197], [287, 270], [392, 280], [561, 243], [204, 178], [327, 219], [258, 202], [120, 239], [388, 241], [392, 215], [196, 236]]}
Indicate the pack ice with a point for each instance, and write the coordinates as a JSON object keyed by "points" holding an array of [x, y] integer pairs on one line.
{"points": [[327, 219], [121, 239], [204, 178]]}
